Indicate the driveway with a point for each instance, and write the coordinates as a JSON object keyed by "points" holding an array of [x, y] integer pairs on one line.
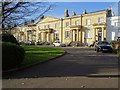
{"points": [[79, 68]]}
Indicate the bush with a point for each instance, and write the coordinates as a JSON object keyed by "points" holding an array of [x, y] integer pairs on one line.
{"points": [[12, 55], [115, 44], [6, 37]]}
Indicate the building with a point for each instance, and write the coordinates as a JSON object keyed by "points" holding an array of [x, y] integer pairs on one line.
{"points": [[85, 28], [113, 28]]}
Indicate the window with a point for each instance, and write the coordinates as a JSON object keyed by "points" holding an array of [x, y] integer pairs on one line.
{"points": [[38, 28], [44, 26], [100, 20], [77, 23], [87, 21], [48, 26], [87, 33], [56, 35], [67, 34], [67, 24], [56, 25]]}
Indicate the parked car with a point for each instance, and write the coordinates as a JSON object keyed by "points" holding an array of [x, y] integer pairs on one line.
{"points": [[58, 44], [103, 46]]}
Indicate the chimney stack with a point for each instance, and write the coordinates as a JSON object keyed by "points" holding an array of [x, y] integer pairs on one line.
{"points": [[66, 13], [85, 11], [41, 17], [73, 13]]}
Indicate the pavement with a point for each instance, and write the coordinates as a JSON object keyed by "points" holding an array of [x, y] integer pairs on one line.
{"points": [[79, 68]]}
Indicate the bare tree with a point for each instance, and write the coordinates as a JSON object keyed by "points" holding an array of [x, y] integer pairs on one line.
{"points": [[16, 13]]}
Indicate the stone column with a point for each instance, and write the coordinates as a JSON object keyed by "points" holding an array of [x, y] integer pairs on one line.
{"points": [[94, 34], [78, 35], [102, 33], [71, 35]]}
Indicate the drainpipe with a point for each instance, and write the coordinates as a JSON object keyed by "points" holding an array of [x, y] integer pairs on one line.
{"points": [[61, 30], [81, 28]]}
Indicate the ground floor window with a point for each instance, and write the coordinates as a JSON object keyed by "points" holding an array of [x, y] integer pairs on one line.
{"points": [[113, 35], [67, 34], [56, 36], [87, 33]]}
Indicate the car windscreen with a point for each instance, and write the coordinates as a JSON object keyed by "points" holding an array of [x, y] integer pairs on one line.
{"points": [[105, 43]]}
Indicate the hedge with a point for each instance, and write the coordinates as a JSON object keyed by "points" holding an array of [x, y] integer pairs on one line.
{"points": [[7, 37], [12, 55]]}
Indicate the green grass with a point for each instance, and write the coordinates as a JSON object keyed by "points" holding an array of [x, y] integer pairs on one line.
{"points": [[35, 54]]}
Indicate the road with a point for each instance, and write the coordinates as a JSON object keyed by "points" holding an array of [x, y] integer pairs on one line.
{"points": [[79, 68]]}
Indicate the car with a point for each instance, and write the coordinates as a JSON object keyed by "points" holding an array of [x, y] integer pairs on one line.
{"points": [[103, 46], [58, 44]]}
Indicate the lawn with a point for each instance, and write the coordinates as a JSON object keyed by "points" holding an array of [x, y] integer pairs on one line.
{"points": [[34, 54]]}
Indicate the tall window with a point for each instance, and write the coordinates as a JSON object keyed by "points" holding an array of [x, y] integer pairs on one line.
{"points": [[38, 28], [67, 24], [88, 21], [67, 34], [44, 26], [100, 20], [56, 35], [87, 33], [77, 23], [56, 25], [48, 26]]}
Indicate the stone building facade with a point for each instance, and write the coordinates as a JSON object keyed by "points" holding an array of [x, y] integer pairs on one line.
{"points": [[83, 29]]}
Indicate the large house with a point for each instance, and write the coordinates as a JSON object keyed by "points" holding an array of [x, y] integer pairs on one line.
{"points": [[83, 29]]}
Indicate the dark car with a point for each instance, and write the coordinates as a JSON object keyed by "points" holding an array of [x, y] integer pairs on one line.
{"points": [[103, 46]]}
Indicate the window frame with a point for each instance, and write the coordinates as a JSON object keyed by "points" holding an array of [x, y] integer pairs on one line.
{"points": [[88, 21]]}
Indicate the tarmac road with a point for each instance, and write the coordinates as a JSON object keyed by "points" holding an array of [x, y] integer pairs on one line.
{"points": [[79, 68]]}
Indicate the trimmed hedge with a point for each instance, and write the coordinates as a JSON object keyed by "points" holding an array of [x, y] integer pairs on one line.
{"points": [[7, 37], [12, 55]]}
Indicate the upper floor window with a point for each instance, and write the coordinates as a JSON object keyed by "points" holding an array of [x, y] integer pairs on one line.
{"points": [[88, 21], [39, 28], [48, 26], [44, 26], [100, 20], [77, 23], [56, 25], [67, 24]]}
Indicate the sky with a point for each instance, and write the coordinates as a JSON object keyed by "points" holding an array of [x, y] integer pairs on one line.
{"points": [[78, 7]]}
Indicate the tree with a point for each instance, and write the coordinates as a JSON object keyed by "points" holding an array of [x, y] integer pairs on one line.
{"points": [[17, 13]]}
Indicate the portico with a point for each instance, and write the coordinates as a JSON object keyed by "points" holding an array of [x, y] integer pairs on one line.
{"points": [[76, 33], [99, 31]]}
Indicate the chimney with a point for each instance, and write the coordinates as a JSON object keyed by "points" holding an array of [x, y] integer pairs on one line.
{"points": [[109, 12], [66, 13], [85, 11], [73, 13], [41, 17]]}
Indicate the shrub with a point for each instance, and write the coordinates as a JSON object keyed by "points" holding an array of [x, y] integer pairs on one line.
{"points": [[6, 37], [114, 44], [12, 55]]}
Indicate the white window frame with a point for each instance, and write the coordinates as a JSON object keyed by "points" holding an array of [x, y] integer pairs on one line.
{"points": [[87, 33], [100, 20], [88, 21], [56, 25], [67, 24], [77, 22], [56, 35], [44, 26], [48, 26], [67, 34]]}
